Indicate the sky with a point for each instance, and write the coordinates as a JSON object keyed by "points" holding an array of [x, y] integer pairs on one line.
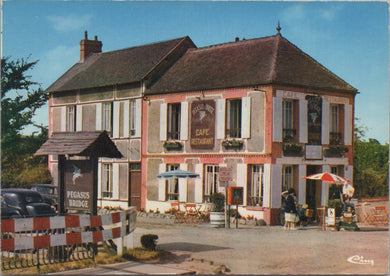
{"points": [[351, 39]]}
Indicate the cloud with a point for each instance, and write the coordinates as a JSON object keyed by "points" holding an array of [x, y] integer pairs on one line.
{"points": [[69, 22]]}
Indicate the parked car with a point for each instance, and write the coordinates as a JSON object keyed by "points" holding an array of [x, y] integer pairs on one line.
{"points": [[17, 203], [49, 193]]}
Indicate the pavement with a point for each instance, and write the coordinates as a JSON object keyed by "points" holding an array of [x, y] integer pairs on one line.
{"points": [[128, 268], [201, 249]]}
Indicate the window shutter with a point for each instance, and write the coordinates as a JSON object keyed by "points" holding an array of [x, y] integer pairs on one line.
{"points": [[99, 116], [138, 116], [79, 118], [267, 185], [276, 189], [163, 122], [100, 180], [348, 124], [301, 184], [126, 118], [220, 118], [325, 122], [116, 116], [199, 183], [242, 179], [246, 117], [277, 119], [184, 121], [303, 121], [64, 118], [115, 180], [161, 183], [183, 184]]}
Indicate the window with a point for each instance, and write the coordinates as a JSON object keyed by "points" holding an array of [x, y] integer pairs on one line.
{"points": [[132, 117], [256, 186], [335, 134], [173, 183], [211, 181], [173, 130], [287, 178], [233, 118], [107, 180], [287, 120], [107, 117], [71, 118]]}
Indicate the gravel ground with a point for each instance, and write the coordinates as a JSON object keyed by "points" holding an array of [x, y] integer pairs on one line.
{"points": [[268, 249]]}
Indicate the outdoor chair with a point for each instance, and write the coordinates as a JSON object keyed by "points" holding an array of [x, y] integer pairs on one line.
{"points": [[179, 216], [192, 212], [380, 215]]}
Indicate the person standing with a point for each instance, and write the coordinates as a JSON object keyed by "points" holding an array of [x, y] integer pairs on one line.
{"points": [[290, 210]]}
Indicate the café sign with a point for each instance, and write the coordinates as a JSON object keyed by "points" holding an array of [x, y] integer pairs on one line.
{"points": [[202, 124]]}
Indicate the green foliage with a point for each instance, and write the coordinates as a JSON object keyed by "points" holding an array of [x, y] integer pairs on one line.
{"points": [[148, 241], [218, 201], [370, 167], [20, 98]]}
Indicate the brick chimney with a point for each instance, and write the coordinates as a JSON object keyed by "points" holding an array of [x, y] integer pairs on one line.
{"points": [[89, 46]]}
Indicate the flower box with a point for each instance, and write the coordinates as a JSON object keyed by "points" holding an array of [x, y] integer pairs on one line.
{"points": [[172, 145], [292, 149], [232, 143], [335, 151]]}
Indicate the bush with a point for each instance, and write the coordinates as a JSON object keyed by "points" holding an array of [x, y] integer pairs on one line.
{"points": [[148, 241], [218, 201]]}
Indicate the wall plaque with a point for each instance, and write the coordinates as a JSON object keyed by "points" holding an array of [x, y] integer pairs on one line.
{"points": [[202, 124]]}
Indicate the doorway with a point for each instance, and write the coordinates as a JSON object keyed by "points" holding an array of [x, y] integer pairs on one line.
{"points": [[313, 188], [134, 197]]}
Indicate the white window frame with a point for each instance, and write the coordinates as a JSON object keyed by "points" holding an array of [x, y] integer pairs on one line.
{"points": [[71, 118], [173, 121], [107, 117], [211, 181], [256, 194], [107, 181], [172, 184], [287, 177], [233, 118]]}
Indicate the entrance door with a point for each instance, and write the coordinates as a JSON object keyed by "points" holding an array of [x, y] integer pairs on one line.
{"points": [[313, 188], [135, 185]]}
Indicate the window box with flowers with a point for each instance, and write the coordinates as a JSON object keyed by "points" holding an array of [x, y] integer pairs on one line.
{"points": [[232, 143], [335, 151], [172, 145], [292, 149]]}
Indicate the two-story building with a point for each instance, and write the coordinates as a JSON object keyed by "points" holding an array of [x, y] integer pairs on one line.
{"points": [[260, 107]]}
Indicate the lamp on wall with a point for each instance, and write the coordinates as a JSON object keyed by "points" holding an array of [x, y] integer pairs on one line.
{"points": [[201, 95], [146, 99]]}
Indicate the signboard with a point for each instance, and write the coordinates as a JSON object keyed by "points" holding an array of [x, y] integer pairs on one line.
{"points": [[202, 124], [313, 152], [331, 217], [225, 174], [78, 185], [235, 196]]}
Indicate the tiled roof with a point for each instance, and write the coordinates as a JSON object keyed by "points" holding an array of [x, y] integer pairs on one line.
{"points": [[116, 67], [269, 60], [95, 143]]}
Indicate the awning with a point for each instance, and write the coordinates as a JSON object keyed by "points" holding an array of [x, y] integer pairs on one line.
{"points": [[96, 143]]}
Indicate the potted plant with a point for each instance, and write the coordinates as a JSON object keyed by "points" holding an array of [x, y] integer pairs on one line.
{"points": [[217, 215]]}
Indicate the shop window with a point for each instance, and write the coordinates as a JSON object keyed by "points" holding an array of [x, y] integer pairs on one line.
{"points": [[107, 181], [172, 184], [233, 118], [107, 114], [255, 191], [71, 118], [211, 181], [173, 128]]}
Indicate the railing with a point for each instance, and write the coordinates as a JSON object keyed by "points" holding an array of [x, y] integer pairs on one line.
{"points": [[27, 242]]}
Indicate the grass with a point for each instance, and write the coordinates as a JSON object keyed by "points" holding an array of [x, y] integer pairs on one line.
{"points": [[105, 256]]}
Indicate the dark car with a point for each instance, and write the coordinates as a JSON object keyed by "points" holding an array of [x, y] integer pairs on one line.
{"points": [[49, 193], [17, 203]]}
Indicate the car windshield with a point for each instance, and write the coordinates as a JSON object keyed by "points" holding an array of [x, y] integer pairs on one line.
{"points": [[32, 198], [43, 190]]}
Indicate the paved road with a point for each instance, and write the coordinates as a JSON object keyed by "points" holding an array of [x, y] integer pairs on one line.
{"points": [[270, 250]]}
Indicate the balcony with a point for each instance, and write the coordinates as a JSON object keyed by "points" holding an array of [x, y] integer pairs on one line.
{"points": [[232, 143], [335, 151], [289, 135], [172, 145], [292, 149], [335, 138]]}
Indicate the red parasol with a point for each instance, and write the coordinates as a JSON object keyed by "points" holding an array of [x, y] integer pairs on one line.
{"points": [[329, 178]]}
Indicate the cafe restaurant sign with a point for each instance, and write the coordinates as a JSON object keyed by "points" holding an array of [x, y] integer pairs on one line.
{"points": [[202, 124], [78, 185]]}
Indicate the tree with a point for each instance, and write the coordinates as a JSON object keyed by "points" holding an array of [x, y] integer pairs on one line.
{"points": [[20, 98]]}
